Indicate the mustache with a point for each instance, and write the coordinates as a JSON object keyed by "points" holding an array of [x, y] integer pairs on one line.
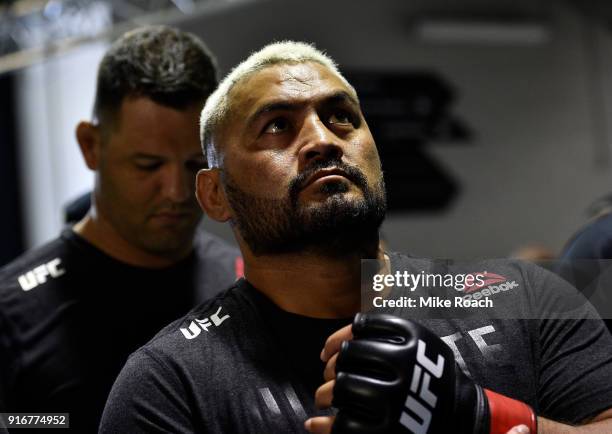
{"points": [[354, 174]]}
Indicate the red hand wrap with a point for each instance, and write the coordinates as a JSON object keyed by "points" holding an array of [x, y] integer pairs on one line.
{"points": [[507, 413]]}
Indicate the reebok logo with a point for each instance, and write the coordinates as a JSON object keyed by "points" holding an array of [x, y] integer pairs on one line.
{"points": [[196, 327], [40, 274], [489, 279], [493, 284]]}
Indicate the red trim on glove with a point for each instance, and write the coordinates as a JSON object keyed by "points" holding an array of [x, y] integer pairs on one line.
{"points": [[507, 413]]}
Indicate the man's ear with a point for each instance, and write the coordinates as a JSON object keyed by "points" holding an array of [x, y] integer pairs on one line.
{"points": [[211, 195], [90, 140]]}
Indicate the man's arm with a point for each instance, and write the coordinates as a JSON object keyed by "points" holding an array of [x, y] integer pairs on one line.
{"points": [[6, 366], [323, 424], [146, 398], [601, 424], [574, 356]]}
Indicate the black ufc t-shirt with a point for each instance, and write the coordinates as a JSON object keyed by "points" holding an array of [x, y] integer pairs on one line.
{"points": [[70, 316], [239, 364]]}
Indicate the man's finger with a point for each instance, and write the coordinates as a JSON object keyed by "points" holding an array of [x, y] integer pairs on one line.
{"points": [[519, 429], [319, 425], [325, 395], [332, 345], [330, 369]]}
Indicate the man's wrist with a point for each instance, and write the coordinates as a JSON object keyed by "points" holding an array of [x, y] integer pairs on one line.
{"points": [[506, 413]]}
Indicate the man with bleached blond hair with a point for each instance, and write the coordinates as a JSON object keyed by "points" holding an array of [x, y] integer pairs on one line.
{"points": [[294, 168]]}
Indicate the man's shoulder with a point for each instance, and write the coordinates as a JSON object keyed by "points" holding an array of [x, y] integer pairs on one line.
{"points": [[594, 240], [34, 268], [207, 328], [601, 224], [509, 288], [33, 287], [500, 268]]}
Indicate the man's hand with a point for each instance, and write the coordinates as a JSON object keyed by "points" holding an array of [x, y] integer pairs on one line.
{"points": [[323, 425], [397, 376]]}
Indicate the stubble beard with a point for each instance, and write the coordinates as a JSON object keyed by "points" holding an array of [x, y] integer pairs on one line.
{"points": [[335, 227]]}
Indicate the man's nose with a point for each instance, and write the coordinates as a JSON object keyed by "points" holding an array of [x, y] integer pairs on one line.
{"points": [[177, 183], [317, 142]]}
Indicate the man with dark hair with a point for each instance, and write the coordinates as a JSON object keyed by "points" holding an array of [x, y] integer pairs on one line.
{"points": [[72, 310], [586, 262], [294, 168], [172, 68]]}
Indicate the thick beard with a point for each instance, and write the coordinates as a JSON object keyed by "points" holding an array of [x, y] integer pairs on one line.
{"points": [[337, 227]]}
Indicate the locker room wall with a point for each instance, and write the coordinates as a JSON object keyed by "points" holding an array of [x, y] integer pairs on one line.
{"points": [[538, 159]]}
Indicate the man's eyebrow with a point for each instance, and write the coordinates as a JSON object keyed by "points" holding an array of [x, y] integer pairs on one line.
{"points": [[272, 107], [342, 96], [334, 98], [145, 156]]}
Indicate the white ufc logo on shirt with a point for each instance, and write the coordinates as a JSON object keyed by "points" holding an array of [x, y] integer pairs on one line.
{"points": [[39, 275], [196, 327]]}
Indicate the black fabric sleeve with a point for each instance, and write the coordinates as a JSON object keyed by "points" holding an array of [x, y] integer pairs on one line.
{"points": [[575, 359], [147, 397], [7, 363]]}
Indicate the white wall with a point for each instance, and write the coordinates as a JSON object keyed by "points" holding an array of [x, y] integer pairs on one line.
{"points": [[52, 98]]}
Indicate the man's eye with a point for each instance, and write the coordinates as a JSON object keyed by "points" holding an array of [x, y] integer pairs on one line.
{"points": [[148, 167], [276, 126], [341, 117]]}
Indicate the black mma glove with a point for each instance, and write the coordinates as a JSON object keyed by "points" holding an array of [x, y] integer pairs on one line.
{"points": [[396, 376]]}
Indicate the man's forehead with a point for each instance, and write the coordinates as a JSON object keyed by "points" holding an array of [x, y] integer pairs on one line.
{"points": [[300, 81]]}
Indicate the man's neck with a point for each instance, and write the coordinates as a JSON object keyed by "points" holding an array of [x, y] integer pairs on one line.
{"points": [[99, 232], [309, 284]]}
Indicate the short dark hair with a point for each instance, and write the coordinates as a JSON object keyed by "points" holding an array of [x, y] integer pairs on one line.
{"points": [[169, 66]]}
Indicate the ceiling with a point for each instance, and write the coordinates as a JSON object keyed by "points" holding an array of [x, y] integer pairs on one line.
{"points": [[34, 30]]}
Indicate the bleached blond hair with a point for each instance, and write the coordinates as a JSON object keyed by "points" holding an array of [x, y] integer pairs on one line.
{"points": [[218, 104]]}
